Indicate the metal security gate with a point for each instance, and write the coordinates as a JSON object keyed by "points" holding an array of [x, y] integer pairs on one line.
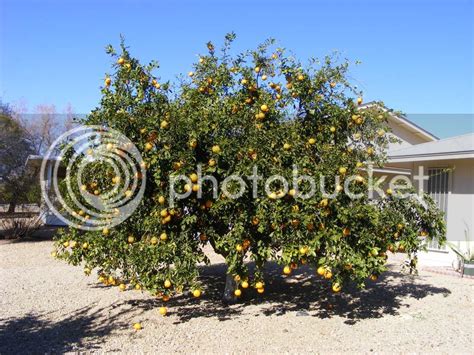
{"points": [[438, 188]]}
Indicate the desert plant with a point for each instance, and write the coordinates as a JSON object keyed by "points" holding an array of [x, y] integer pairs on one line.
{"points": [[465, 256]]}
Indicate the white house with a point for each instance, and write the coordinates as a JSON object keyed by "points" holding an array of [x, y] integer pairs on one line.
{"points": [[449, 165]]}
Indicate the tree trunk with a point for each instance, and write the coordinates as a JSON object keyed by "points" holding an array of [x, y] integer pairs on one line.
{"points": [[230, 286], [11, 207]]}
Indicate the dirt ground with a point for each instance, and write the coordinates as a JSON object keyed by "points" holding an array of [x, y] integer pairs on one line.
{"points": [[49, 306]]}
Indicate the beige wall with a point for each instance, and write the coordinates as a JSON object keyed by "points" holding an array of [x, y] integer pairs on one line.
{"points": [[460, 209], [461, 195], [406, 137]]}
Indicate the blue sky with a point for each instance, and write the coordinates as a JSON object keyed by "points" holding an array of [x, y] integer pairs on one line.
{"points": [[417, 55]]}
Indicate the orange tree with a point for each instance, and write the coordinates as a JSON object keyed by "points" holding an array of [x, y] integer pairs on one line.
{"points": [[232, 114]]}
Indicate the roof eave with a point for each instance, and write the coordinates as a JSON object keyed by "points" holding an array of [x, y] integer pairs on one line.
{"points": [[403, 121], [431, 157]]}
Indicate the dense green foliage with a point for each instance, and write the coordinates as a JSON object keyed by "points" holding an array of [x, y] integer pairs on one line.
{"points": [[259, 109]]}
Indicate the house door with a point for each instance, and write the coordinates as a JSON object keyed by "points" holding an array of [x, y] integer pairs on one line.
{"points": [[438, 188]]}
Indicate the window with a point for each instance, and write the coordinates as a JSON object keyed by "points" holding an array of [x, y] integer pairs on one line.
{"points": [[438, 188]]}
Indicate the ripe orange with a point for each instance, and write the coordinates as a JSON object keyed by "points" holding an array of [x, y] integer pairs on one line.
{"points": [[193, 177], [328, 274], [239, 248], [264, 108], [259, 284], [304, 250], [286, 146], [131, 239], [312, 141], [373, 277], [161, 200], [148, 146], [193, 143], [137, 326], [287, 270], [359, 100], [260, 116], [107, 81], [122, 287], [300, 77], [216, 149], [197, 293], [164, 124], [121, 61], [321, 270], [244, 284], [154, 240], [163, 236], [212, 162], [346, 231], [105, 231], [324, 202], [167, 284], [260, 290], [238, 293], [163, 311], [336, 287]]}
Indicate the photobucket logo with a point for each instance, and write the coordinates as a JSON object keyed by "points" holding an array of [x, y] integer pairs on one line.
{"points": [[86, 201], [276, 186]]}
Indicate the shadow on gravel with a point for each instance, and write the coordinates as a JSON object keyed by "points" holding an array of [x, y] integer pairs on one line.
{"points": [[83, 329], [302, 293], [42, 234], [306, 295]]}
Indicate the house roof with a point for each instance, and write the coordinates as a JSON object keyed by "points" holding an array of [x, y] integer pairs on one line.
{"points": [[404, 122], [459, 147]]}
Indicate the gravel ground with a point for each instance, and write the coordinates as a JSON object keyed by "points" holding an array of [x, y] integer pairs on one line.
{"points": [[49, 306]]}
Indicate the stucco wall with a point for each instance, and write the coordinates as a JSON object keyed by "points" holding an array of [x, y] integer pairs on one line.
{"points": [[406, 137], [460, 209], [460, 198]]}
